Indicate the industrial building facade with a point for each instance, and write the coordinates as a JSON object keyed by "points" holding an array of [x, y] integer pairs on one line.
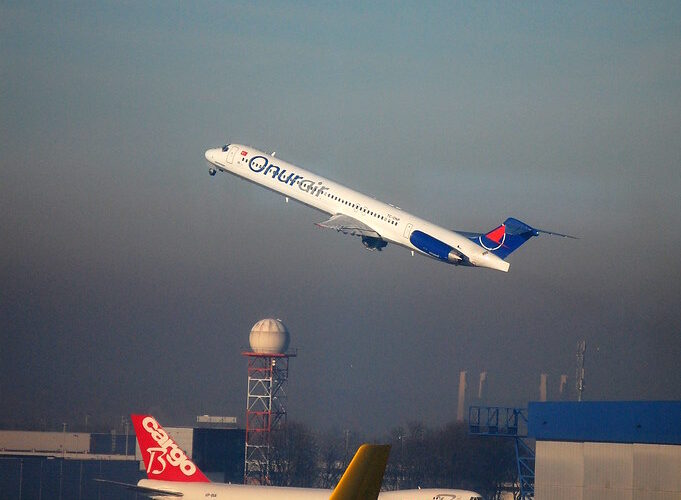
{"points": [[63, 465], [607, 450]]}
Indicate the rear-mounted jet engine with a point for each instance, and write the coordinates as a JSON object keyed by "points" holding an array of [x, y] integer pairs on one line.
{"points": [[435, 248]]}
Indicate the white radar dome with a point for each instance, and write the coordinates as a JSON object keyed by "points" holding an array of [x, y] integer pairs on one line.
{"points": [[269, 336]]}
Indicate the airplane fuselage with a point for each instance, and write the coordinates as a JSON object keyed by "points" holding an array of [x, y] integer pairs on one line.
{"points": [[391, 223], [217, 491], [203, 491], [171, 473]]}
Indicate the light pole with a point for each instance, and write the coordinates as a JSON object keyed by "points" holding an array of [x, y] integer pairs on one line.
{"points": [[40, 482], [63, 457], [21, 475], [127, 430]]}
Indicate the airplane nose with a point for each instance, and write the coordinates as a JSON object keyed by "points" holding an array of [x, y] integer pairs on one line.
{"points": [[210, 154]]}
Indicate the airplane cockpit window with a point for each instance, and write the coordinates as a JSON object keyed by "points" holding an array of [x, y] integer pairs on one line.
{"points": [[225, 148]]}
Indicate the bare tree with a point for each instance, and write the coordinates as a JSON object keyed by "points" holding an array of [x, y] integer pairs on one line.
{"points": [[332, 458], [293, 458], [446, 457]]}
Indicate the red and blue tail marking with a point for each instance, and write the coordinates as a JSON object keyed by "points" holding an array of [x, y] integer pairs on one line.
{"points": [[509, 236], [506, 238]]}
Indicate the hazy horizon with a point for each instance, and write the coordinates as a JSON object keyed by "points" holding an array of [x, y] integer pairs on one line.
{"points": [[131, 278]]}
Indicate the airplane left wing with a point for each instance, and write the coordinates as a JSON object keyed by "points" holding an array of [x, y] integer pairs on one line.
{"points": [[144, 490], [348, 225]]}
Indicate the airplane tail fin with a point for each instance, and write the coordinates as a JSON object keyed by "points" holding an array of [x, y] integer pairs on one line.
{"points": [[509, 236], [363, 477], [163, 458]]}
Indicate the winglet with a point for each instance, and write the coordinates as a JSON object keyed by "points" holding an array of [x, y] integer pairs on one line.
{"points": [[163, 458], [363, 477]]}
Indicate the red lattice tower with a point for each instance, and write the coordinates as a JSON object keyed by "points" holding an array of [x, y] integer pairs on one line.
{"points": [[266, 404]]}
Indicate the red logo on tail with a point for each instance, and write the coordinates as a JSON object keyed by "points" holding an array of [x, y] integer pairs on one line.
{"points": [[163, 459], [497, 235]]}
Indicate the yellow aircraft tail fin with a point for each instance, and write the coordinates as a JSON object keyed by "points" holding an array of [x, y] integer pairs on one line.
{"points": [[363, 477]]}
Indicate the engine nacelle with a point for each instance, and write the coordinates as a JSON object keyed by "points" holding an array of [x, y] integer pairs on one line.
{"points": [[371, 243], [435, 248]]}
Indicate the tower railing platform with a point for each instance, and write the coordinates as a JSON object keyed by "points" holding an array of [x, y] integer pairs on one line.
{"points": [[507, 422]]}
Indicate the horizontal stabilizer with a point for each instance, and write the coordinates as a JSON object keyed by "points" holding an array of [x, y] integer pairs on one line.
{"points": [[144, 490], [556, 234]]}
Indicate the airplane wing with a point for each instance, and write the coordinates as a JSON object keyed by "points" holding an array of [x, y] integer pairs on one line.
{"points": [[348, 225], [143, 490]]}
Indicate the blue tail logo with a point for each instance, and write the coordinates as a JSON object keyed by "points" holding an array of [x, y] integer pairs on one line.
{"points": [[506, 238]]}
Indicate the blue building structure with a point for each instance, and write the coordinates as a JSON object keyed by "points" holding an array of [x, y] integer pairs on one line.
{"points": [[619, 450], [652, 422]]}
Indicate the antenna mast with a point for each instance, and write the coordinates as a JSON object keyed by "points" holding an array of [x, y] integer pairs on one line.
{"points": [[579, 378]]}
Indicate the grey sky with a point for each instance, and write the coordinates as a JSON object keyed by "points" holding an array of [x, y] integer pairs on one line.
{"points": [[130, 278]]}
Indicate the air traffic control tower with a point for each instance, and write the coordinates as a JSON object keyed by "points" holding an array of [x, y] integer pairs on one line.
{"points": [[266, 405]]}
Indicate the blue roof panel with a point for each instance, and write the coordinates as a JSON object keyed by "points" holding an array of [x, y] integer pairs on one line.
{"points": [[655, 422]]}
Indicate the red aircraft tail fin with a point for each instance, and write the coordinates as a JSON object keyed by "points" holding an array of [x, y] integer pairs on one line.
{"points": [[163, 458]]}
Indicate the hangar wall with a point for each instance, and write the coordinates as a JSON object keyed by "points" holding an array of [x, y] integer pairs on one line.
{"points": [[617, 471], [607, 450]]}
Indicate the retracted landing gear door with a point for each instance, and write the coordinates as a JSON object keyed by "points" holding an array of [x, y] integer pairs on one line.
{"points": [[230, 155]]}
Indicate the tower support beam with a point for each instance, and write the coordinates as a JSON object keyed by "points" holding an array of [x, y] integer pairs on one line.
{"points": [[265, 411]]}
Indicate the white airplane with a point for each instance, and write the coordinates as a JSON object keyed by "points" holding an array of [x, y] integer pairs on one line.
{"points": [[375, 222], [171, 474]]}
